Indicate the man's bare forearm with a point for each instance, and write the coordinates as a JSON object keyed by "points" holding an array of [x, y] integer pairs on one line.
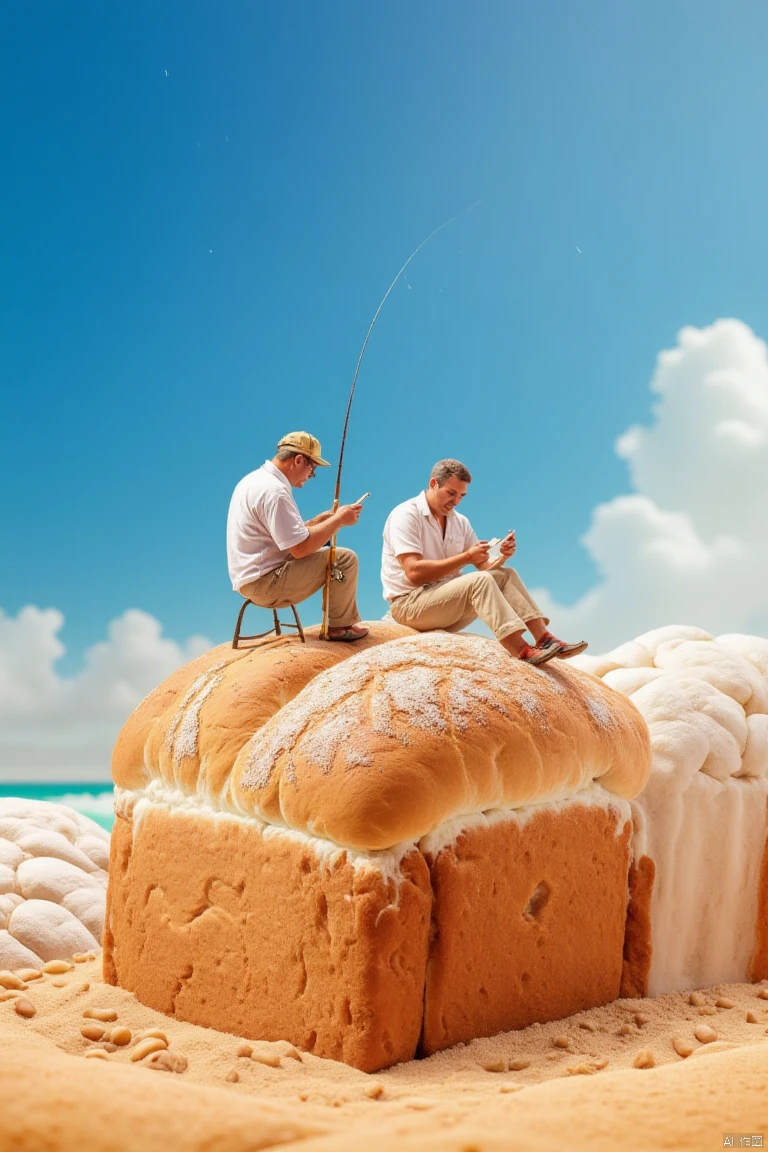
{"points": [[421, 572], [319, 534], [319, 519]]}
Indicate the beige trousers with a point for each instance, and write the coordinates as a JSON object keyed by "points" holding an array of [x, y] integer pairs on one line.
{"points": [[297, 580], [499, 598]]}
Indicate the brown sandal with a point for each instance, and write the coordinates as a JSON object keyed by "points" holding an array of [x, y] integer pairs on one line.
{"points": [[349, 635]]}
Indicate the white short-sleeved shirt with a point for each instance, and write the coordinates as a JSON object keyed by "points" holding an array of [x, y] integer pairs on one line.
{"points": [[263, 524], [411, 527]]}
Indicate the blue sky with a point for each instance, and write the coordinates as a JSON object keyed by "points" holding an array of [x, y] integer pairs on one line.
{"points": [[191, 261]]}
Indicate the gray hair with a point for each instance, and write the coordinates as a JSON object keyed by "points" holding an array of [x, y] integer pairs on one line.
{"points": [[287, 454], [444, 469]]}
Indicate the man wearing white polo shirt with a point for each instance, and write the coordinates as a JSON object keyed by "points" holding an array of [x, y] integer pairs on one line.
{"points": [[274, 556], [427, 543]]}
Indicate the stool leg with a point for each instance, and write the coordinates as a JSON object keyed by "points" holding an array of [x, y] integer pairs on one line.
{"points": [[238, 626], [299, 628], [276, 618]]}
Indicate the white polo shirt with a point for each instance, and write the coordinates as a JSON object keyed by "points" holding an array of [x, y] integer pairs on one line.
{"points": [[263, 524], [411, 527]]}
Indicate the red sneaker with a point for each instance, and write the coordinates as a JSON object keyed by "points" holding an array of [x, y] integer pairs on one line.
{"points": [[530, 655]]}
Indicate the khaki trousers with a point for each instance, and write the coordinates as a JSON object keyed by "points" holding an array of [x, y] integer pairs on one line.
{"points": [[297, 580], [499, 598]]}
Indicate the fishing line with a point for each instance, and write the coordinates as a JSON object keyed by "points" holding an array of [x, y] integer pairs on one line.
{"points": [[332, 550]]}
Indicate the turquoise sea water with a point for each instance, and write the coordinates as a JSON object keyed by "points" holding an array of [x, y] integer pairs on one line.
{"points": [[92, 799]]}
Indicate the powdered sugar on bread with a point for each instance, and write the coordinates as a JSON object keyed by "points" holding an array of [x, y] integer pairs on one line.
{"points": [[391, 744]]}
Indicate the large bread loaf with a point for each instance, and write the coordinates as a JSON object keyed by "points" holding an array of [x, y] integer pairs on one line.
{"points": [[294, 827]]}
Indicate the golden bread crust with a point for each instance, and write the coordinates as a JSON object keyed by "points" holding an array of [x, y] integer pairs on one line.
{"points": [[758, 965], [381, 744], [187, 732], [406, 736], [638, 948]]}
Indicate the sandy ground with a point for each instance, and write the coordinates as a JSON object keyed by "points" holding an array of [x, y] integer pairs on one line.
{"points": [[589, 1074]]}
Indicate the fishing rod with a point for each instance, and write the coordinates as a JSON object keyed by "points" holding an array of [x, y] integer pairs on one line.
{"points": [[324, 631]]}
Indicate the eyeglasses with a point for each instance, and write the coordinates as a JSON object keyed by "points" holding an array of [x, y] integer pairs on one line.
{"points": [[312, 469]]}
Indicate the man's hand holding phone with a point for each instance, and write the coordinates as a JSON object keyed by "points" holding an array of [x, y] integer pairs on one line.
{"points": [[508, 544], [477, 554], [501, 550], [350, 513]]}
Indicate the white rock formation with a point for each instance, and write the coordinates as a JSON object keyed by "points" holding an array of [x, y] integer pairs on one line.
{"points": [[702, 816], [53, 882]]}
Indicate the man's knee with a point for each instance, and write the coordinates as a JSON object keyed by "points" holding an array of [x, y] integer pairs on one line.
{"points": [[346, 560], [483, 580], [485, 586]]}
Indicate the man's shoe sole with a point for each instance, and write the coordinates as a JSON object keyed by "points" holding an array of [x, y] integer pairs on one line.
{"points": [[542, 658], [572, 650]]}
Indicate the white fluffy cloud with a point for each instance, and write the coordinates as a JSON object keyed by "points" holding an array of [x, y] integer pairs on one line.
{"points": [[56, 727], [690, 545]]}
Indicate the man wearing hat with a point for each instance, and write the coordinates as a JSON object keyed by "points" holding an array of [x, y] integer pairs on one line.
{"points": [[274, 556]]}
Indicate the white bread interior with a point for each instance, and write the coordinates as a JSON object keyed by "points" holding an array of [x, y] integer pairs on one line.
{"points": [[700, 822]]}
